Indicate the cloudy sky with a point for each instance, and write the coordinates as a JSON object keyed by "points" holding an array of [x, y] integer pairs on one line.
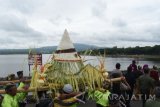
{"points": [[37, 23]]}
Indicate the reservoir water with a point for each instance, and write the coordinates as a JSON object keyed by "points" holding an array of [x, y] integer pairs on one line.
{"points": [[13, 63]]}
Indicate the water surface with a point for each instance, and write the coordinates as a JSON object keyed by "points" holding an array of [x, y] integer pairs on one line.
{"points": [[13, 63]]}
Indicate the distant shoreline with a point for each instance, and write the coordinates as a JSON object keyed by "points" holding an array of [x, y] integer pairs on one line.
{"points": [[113, 56], [135, 56]]}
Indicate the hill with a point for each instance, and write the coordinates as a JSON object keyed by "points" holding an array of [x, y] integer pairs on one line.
{"points": [[46, 49]]}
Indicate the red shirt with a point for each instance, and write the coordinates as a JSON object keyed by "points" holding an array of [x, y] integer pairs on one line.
{"points": [[154, 75]]}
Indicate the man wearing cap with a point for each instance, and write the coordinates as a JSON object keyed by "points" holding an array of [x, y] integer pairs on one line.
{"points": [[11, 98], [67, 97]]}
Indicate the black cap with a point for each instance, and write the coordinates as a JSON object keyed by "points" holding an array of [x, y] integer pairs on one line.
{"points": [[118, 65], [133, 61], [19, 72]]}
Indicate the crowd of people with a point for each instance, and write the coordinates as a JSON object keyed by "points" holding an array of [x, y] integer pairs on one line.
{"points": [[141, 83], [137, 83]]}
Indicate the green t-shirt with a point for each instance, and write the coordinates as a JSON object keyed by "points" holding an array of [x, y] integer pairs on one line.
{"points": [[12, 101], [145, 82], [21, 96], [100, 97]]}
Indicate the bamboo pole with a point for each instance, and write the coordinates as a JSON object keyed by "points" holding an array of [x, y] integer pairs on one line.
{"points": [[28, 90], [28, 81], [45, 88], [13, 81], [115, 79]]}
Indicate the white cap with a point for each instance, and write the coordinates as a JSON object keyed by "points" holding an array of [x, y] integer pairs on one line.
{"points": [[68, 88]]}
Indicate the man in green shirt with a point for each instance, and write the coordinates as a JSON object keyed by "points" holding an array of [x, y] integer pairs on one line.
{"points": [[66, 98], [12, 98], [145, 85]]}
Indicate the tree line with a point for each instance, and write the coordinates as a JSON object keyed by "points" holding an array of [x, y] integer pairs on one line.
{"points": [[147, 50]]}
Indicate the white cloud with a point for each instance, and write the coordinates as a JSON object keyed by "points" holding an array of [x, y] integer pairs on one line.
{"points": [[24, 23]]}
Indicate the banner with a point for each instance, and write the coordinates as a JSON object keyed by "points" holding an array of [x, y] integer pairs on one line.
{"points": [[33, 58]]}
